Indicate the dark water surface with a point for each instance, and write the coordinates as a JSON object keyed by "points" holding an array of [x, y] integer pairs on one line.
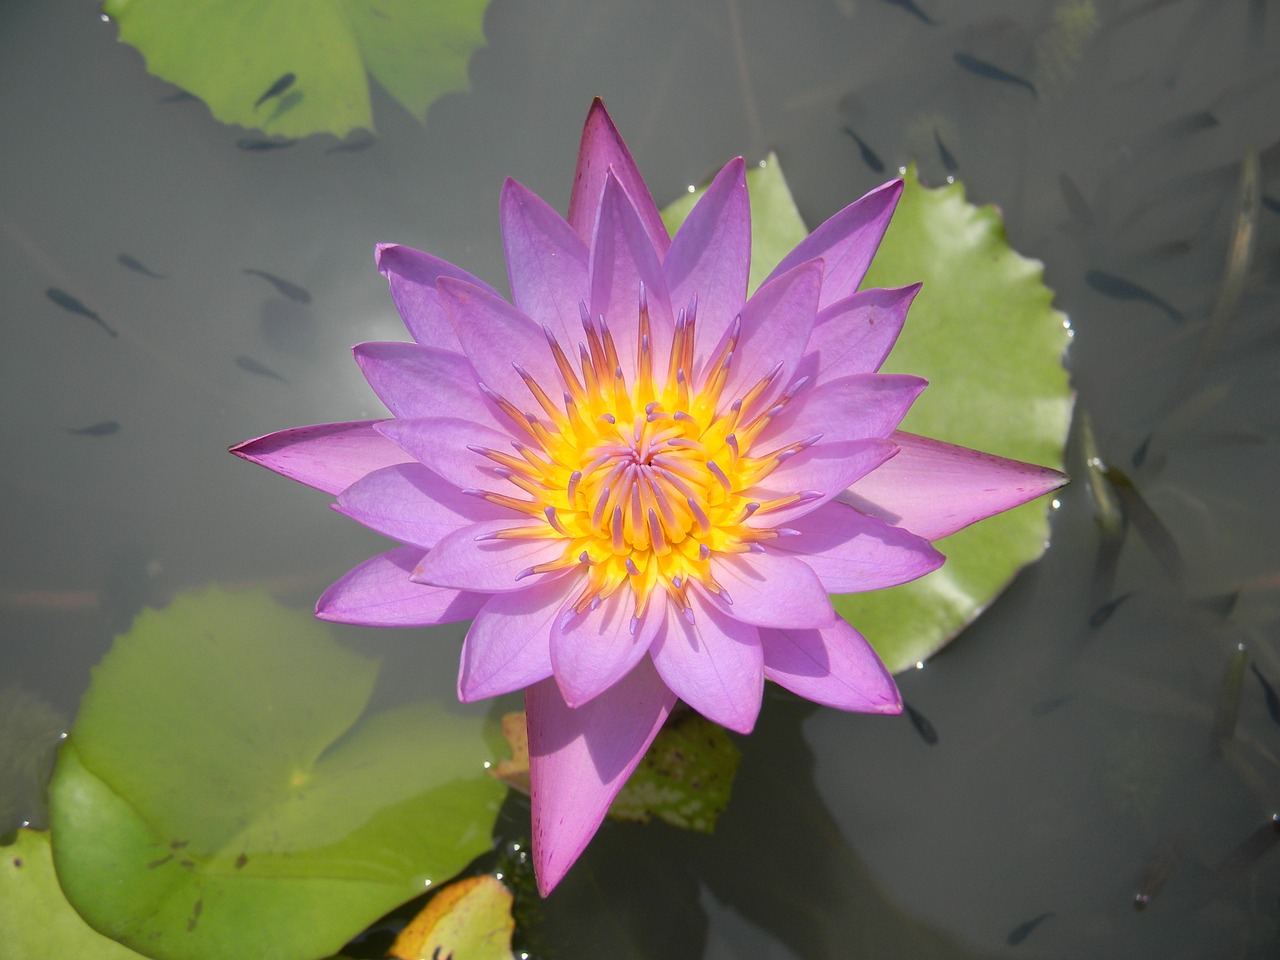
{"points": [[1075, 766]]}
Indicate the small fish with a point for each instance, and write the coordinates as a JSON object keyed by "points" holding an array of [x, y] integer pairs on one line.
{"points": [[102, 429], [1118, 288], [253, 366], [1140, 455], [283, 287], [1268, 693], [989, 71], [869, 156], [1149, 526], [355, 145], [1077, 205], [1104, 612], [179, 97], [280, 86], [923, 727], [1246, 854], [1023, 930], [948, 161], [1271, 203], [912, 9], [137, 266], [1228, 709], [257, 145], [69, 303], [1158, 872], [1219, 604], [1189, 124]]}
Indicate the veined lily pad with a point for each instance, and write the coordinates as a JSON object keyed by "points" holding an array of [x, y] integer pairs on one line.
{"points": [[984, 332], [217, 797], [233, 53]]}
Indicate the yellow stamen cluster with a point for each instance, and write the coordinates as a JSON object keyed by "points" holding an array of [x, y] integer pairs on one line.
{"points": [[644, 481]]}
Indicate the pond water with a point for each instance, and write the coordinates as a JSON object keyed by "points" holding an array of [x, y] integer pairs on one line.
{"points": [[1075, 765]]}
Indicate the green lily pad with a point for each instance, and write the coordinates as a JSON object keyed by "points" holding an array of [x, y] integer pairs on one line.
{"points": [[35, 918], [230, 53], [685, 777], [984, 332], [217, 795]]}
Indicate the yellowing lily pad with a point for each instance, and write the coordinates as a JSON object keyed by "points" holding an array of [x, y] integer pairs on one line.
{"points": [[984, 332], [35, 918], [469, 919], [219, 790], [295, 67], [685, 777]]}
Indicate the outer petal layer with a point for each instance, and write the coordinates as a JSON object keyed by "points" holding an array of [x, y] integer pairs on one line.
{"points": [[934, 489], [328, 456], [834, 666], [579, 760], [413, 275], [411, 504], [379, 593], [506, 648]]}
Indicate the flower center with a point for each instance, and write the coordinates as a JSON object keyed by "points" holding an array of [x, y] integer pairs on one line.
{"points": [[644, 481]]}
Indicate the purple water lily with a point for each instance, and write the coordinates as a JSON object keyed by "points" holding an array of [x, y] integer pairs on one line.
{"points": [[640, 484]]}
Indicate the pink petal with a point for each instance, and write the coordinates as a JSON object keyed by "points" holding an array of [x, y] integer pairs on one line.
{"points": [[854, 335], [601, 150], [579, 760], [622, 260], [713, 664], [465, 560], [846, 242], [496, 337], [546, 262], [851, 552], [934, 489], [834, 666], [507, 646], [710, 257], [770, 589], [416, 381], [851, 408], [379, 593], [411, 504], [442, 444], [413, 275], [327, 456], [593, 650], [823, 471], [776, 323]]}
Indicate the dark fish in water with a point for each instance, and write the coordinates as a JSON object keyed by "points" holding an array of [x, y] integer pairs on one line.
{"points": [[944, 154], [1157, 873], [354, 145], [1228, 710], [253, 366], [1271, 203], [178, 97], [1077, 206], [69, 303], [912, 9], [923, 727], [1024, 929], [1104, 612], [257, 145], [102, 429], [1219, 604], [869, 156], [137, 266], [989, 71], [1246, 854], [1191, 123], [1118, 288], [277, 88], [1268, 693], [284, 287], [1149, 526], [1140, 455]]}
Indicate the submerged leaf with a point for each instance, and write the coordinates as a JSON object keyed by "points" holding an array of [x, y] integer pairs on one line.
{"points": [[295, 67], [983, 331], [217, 793]]}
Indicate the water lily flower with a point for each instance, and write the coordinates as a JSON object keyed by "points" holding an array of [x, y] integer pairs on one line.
{"points": [[640, 484]]}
